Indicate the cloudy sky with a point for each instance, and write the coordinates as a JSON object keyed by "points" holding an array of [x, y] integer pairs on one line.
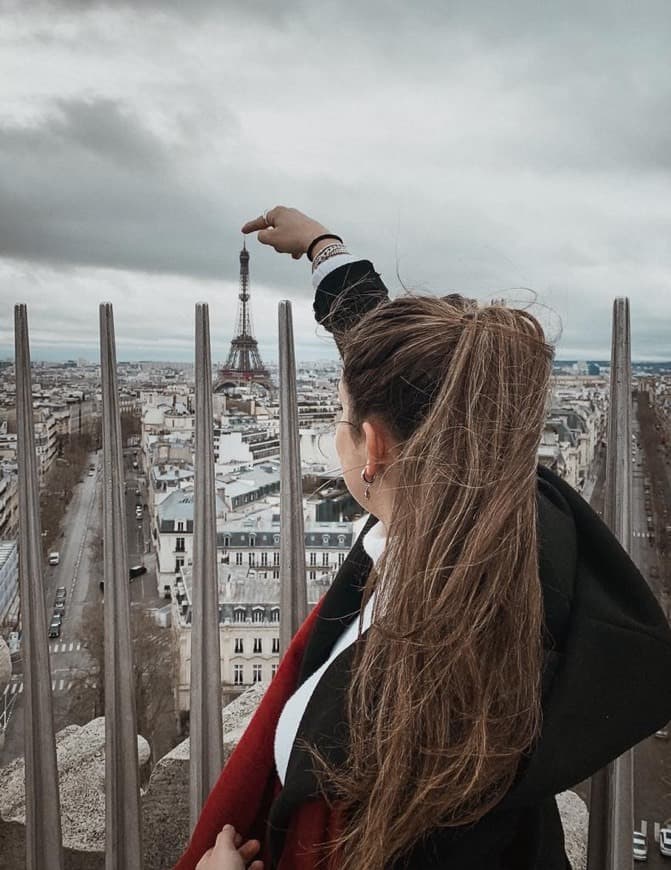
{"points": [[495, 149]]}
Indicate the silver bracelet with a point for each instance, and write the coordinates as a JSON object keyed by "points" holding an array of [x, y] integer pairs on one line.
{"points": [[328, 252]]}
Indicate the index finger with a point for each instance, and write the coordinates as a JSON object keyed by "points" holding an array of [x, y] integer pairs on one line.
{"points": [[258, 223]]}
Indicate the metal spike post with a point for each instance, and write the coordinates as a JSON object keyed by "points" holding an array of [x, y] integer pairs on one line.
{"points": [[43, 823], [293, 587], [611, 810], [123, 838], [206, 736]]}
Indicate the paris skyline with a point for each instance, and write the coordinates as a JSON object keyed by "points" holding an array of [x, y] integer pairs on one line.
{"points": [[473, 149]]}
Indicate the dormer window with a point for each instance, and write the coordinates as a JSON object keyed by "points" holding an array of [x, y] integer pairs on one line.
{"points": [[180, 525]]}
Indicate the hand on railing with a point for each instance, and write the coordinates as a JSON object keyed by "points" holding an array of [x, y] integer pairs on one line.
{"points": [[287, 230], [230, 853]]}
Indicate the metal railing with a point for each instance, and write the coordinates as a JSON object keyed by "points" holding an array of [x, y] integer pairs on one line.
{"points": [[611, 810], [122, 792], [611, 807]]}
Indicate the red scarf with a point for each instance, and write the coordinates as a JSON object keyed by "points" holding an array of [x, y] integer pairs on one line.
{"points": [[249, 783]]}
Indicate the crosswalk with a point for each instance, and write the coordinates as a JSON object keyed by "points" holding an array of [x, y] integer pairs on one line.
{"points": [[15, 687], [73, 646]]}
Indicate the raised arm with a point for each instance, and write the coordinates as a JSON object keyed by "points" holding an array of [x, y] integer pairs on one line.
{"points": [[345, 288]]}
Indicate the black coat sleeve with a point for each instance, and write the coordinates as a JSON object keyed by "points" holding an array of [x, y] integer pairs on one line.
{"points": [[345, 295]]}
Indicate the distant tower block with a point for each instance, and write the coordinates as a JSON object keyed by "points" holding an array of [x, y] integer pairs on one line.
{"points": [[244, 365]]}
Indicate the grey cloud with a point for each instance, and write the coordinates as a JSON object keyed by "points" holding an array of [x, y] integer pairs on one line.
{"points": [[92, 186]]}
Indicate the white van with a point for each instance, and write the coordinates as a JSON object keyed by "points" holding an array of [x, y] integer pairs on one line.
{"points": [[54, 558]]}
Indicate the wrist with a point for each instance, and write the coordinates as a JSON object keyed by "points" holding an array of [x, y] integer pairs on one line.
{"points": [[319, 247]]}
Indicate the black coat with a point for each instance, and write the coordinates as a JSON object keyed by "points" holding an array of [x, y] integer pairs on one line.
{"points": [[604, 629]]}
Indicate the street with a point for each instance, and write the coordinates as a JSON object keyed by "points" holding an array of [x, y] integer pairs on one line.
{"points": [[80, 573]]}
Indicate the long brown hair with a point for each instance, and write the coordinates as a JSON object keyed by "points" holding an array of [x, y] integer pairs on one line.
{"points": [[444, 697]]}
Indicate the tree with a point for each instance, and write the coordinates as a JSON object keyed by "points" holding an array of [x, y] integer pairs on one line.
{"points": [[155, 669]]}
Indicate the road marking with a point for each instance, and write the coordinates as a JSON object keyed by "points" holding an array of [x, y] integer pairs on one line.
{"points": [[16, 688], [73, 646]]}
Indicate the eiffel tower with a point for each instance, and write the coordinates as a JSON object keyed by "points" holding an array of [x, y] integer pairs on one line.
{"points": [[244, 364]]}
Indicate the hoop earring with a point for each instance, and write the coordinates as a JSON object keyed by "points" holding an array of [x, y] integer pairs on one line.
{"points": [[366, 493]]}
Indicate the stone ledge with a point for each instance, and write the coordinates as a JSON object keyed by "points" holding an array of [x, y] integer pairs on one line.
{"points": [[165, 803]]}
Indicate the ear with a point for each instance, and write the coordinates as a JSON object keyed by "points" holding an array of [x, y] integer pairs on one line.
{"points": [[377, 442]]}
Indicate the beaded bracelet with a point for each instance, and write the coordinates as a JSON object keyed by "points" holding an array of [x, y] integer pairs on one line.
{"points": [[320, 239], [326, 254]]}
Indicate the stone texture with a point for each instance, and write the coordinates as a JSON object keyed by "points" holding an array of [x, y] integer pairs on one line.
{"points": [[575, 819], [80, 752]]}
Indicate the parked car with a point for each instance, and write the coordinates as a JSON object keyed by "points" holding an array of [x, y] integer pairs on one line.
{"points": [[55, 628], [138, 512], [167, 593], [137, 492], [60, 593], [59, 605], [665, 841], [54, 557], [662, 735], [134, 464], [56, 615], [654, 572], [136, 571], [640, 847]]}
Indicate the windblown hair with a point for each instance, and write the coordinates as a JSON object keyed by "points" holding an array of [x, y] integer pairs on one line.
{"points": [[445, 692]]}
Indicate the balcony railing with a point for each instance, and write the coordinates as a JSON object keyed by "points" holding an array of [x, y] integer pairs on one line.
{"points": [[611, 819]]}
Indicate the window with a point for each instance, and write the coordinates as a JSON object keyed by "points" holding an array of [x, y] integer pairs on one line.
{"points": [[227, 541], [238, 558], [251, 540], [273, 670], [275, 614], [257, 645], [252, 558], [276, 558], [276, 644], [325, 540], [341, 539], [341, 558], [237, 675], [264, 560], [276, 575], [179, 545], [325, 560], [239, 648], [276, 539], [178, 565], [180, 525], [313, 575], [239, 614], [256, 673], [257, 615], [313, 558]]}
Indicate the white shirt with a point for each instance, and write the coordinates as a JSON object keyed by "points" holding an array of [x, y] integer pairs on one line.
{"points": [[290, 718]]}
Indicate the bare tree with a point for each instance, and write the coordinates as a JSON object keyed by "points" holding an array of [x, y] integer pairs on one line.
{"points": [[155, 668]]}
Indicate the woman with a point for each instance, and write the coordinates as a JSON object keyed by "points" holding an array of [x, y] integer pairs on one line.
{"points": [[501, 630]]}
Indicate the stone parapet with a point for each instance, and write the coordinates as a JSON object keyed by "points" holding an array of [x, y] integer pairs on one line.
{"points": [[165, 802]]}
